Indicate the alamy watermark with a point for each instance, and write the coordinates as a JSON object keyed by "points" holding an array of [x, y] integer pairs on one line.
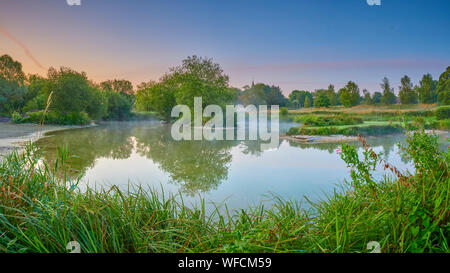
{"points": [[73, 2], [222, 127], [374, 2]]}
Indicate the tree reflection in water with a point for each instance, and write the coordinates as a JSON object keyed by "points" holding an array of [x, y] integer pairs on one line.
{"points": [[195, 166]]}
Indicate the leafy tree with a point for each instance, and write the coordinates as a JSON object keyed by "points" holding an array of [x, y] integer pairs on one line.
{"points": [[350, 94], [406, 93], [160, 98], [443, 88], [388, 92], [12, 87], [376, 97], [119, 107], [261, 93], [427, 89], [297, 98], [307, 102], [37, 93], [11, 70], [70, 90], [199, 77], [11, 96], [367, 98], [321, 98], [123, 87], [332, 95]]}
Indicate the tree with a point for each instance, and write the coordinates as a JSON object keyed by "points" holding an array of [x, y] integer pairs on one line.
{"points": [[11, 70], [406, 93], [443, 88], [37, 93], [376, 97], [321, 98], [12, 88], [196, 77], [350, 94], [367, 99], [332, 95], [159, 98], [298, 98], [427, 89], [307, 102], [199, 77], [70, 90], [388, 92]]}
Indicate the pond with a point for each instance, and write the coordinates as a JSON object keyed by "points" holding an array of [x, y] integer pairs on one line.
{"points": [[238, 172]]}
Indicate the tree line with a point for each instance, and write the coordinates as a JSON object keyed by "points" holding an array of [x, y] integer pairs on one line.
{"points": [[428, 91], [68, 95], [73, 98]]}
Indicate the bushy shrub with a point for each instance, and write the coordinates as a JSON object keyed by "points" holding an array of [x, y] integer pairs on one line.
{"points": [[373, 130], [73, 118], [443, 112], [119, 107], [284, 111], [16, 117], [328, 120]]}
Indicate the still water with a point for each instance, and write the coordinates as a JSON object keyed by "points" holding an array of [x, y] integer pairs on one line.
{"points": [[238, 172]]}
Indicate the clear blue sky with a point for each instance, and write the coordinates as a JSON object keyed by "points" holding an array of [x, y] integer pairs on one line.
{"points": [[302, 44]]}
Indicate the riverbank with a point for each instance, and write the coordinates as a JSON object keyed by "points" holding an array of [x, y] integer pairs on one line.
{"points": [[13, 136]]}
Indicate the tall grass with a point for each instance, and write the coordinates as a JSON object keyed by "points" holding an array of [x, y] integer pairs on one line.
{"points": [[41, 210]]}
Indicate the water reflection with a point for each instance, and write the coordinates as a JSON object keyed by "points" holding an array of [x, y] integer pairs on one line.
{"points": [[199, 166]]}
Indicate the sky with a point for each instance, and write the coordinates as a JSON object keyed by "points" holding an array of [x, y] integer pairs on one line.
{"points": [[301, 44]]}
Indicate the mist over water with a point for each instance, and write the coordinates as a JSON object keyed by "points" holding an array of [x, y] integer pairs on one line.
{"points": [[238, 172]]}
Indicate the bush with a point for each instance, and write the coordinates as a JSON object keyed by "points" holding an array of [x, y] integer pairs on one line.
{"points": [[73, 118], [335, 120], [443, 112], [16, 117], [284, 111], [373, 130], [119, 107]]}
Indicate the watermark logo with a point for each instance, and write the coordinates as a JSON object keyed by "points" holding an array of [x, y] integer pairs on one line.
{"points": [[73, 2], [220, 127], [374, 2], [73, 247]]}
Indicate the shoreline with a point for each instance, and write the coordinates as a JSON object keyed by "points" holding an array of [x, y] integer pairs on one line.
{"points": [[13, 136], [316, 139]]}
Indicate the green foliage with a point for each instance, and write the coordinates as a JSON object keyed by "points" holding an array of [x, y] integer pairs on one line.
{"points": [[297, 98], [308, 102], [321, 98], [70, 90], [119, 106], [284, 111], [329, 120], [52, 117], [12, 95], [372, 130], [443, 88], [16, 117], [196, 77], [260, 94], [427, 90], [443, 112], [388, 96], [350, 95], [11, 70], [407, 94]]}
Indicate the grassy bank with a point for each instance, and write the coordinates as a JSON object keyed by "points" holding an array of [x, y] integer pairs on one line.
{"points": [[368, 121], [41, 211]]}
